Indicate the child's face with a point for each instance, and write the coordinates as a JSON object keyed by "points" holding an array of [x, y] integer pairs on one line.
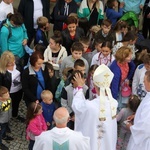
{"points": [[146, 84], [115, 4], [76, 54], [52, 44], [5, 97], [85, 46], [79, 68], [40, 111], [106, 51], [51, 73], [98, 47], [92, 73], [106, 29], [72, 27], [64, 77], [48, 99], [147, 66]]}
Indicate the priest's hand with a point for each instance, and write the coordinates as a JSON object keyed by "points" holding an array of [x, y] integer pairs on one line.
{"points": [[78, 80]]}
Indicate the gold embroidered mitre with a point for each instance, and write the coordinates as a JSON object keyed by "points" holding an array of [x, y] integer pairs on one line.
{"points": [[102, 78]]}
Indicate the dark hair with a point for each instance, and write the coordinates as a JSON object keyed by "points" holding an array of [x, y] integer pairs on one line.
{"points": [[71, 19], [32, 111], [120, 24], [106, 22], [3, 90], [130, 35], [79, 62], [16, 18], [77, 46], [49, 66], [84, 40], [93, 67], [57, 37], [107, 44], [84, 24], [110, 3], [98, 41], [76, 72], [134, 102], [40, 48], [34, 57]]}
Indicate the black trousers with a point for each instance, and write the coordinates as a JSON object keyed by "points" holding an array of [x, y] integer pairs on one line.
{"points": [[16, 98], [146, 24]]}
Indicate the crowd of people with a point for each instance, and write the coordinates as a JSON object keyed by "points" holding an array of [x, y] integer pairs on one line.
{"points": [[87, 86]]}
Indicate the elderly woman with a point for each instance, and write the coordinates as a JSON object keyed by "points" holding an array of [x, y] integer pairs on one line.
{"points": [[10, 77], [35, 78], [123, 69], [93, 10]]}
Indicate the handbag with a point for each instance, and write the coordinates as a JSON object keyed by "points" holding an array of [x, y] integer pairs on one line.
{"points": [[125, 90]]}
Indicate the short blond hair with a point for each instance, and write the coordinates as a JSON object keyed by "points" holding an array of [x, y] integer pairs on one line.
{"points": [[42, 21], [45, 94], [6, 58], [122, 53]]}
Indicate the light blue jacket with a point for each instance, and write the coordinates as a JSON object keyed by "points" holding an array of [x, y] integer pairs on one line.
{"points": [[132, 5], [12, 41]]}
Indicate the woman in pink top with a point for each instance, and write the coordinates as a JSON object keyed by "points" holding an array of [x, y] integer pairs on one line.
{"points": [[35, 123]]}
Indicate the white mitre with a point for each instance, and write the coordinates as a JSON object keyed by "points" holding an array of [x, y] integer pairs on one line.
{"points": [[102, 78]]}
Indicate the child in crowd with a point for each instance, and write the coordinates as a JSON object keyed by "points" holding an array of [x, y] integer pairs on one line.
{"points": [[78, 65], [55, 52], [98, 46], [120, 30], [128, 40], [48, 107], [92, 92], [91, 34], [87, 54], [105, 33], [64, 77], [5, 115], [40, 36], [105, 56], [76, 50], [35, 122], [111, 12], [138, 87], [124, 133], [67, 97], [54, 80], [72, 33]]}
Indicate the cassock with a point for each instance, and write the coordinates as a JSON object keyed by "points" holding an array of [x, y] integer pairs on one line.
{"points": [[103, 134], [61, 138], [140, 131]]}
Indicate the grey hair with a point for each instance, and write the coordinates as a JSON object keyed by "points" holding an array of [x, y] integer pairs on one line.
{"points": [[62, 120]]}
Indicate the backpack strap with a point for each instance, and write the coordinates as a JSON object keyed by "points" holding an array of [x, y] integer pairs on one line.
{"points": [[9, 29]]}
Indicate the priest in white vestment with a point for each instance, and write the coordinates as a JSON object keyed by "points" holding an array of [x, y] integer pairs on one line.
{"points": [[140, 130], [61, 137], [97, 118]]}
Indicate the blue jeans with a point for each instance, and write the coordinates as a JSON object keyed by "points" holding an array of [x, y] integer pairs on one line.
{"points": [[2, 131]]}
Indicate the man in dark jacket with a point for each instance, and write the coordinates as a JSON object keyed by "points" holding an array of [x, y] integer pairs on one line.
{"points": [[31, 10]]}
